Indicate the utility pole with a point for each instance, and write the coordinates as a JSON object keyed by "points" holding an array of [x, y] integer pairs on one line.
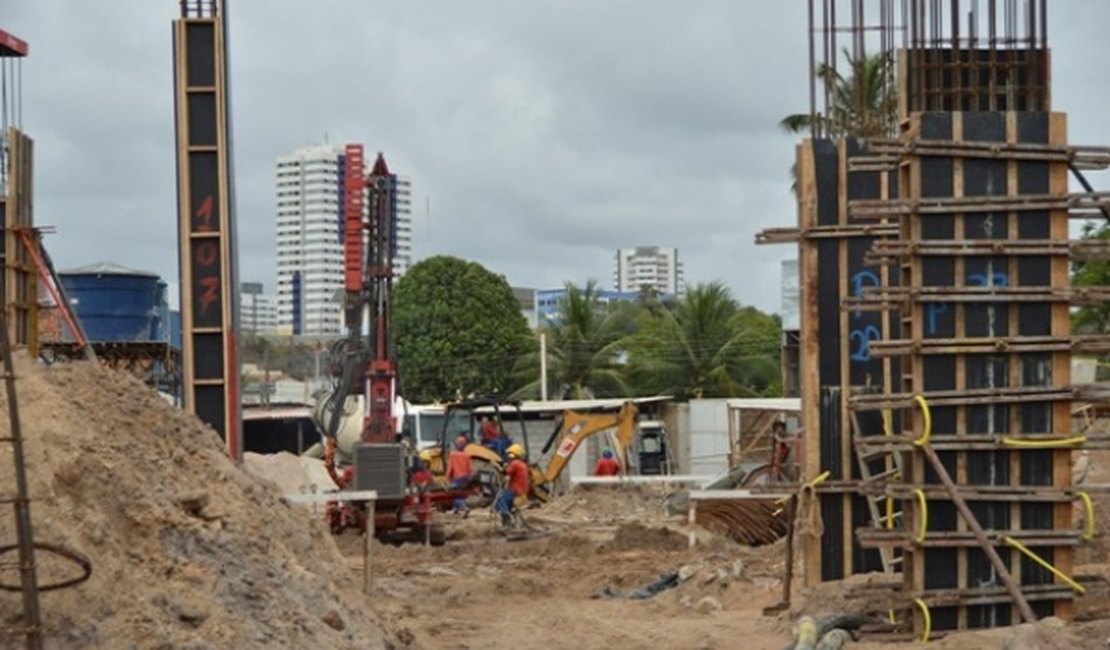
{"points": [[543, 366]]}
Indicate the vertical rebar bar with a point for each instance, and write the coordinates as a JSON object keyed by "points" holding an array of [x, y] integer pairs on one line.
{"points": [[32, 623], [813, 131]]}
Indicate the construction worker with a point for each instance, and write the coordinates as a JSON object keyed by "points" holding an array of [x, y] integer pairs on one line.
{"points": [[459, 470], [516, 473], [607, 465], [784, 444], [494, 437]]}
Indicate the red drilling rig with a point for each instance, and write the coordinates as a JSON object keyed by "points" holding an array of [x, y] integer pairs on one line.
{"points": [[366, 367]]}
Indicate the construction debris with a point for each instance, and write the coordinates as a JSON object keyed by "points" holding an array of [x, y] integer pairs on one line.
{"points": [[665, 581]]}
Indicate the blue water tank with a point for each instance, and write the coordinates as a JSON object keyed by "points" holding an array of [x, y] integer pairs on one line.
{"points": [[115, 303]]}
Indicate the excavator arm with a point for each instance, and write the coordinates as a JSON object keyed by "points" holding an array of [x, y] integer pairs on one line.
{"points": [[576, 428]]}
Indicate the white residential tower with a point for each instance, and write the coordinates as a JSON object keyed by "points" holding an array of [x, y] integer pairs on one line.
{"points": [[309, 239], [650, 266]]}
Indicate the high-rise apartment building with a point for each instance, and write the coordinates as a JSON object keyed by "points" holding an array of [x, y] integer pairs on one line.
{"points": [[257, 310], [650, 266], [309, 238]]}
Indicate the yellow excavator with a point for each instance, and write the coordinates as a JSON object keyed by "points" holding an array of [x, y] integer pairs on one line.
{"points": [[569, 435], [489, 426], [468, 419]]}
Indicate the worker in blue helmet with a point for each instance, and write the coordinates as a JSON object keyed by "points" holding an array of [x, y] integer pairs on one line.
{"points": [[607, 465]]}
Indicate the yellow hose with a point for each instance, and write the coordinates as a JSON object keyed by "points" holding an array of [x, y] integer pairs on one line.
{"points": [[928, 619], [807, 634], [821, 478], [1090, 533], [924, 406], [1080, 589], [1058, 442], [924, 515]]}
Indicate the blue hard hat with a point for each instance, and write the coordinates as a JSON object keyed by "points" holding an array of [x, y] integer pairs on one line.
{"points": [[607, 453]]}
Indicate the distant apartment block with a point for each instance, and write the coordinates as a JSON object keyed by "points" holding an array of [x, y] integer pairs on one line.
{"points": [[649, 266], [258, 312], [549, 303], [309, 202]]}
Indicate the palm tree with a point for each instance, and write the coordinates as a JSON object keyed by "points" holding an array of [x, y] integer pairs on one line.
{"points": [[586, 348], [862, 105], [707, 346]]}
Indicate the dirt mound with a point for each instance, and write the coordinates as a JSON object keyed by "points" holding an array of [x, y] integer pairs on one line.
{"points": [[187, 550], [637, 537], [291, 473], [608, 503]]}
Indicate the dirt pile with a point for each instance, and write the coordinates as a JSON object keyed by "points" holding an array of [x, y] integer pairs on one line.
{"points": [[637, 537], [608, 504], [291, 474], [187, 550]]}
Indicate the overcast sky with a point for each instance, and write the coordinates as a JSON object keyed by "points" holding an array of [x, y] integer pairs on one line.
{"points": [[540, 135]]}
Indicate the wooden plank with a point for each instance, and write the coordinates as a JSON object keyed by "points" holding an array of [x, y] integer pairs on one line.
{"points": [[810, 344], [1061, 361], [342, 496], [627, 480], [730, 495], [844, 350], [960, 263]]}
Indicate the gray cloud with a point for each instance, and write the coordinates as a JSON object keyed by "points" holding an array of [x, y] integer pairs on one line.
{"points": [[542, 135]]}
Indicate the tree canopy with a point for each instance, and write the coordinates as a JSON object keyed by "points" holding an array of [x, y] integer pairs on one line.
{"points": [[708, 346], [457, 328], [702, 345], [1092, 320], [584, 348]]}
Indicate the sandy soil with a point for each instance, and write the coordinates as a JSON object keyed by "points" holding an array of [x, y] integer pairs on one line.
{"points": [[483, 591], [187, 550]]}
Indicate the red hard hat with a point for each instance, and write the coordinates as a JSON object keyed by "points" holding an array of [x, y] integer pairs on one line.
{"points": [[461, 441]]}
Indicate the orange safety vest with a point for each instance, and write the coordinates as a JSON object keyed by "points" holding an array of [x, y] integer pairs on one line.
{"points": [[518, 476], [458, 465]]}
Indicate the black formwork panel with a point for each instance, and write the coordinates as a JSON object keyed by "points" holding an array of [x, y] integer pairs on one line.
{"points": [[844, 363], [931, 569]]}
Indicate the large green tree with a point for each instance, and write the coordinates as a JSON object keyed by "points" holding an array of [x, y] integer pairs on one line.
{"points": [[708, 346], [458, 330], [586, 348]]}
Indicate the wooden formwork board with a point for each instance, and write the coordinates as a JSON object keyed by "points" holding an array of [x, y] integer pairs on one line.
{"points": [[836, 360], [20, 281], [1045, 410]]}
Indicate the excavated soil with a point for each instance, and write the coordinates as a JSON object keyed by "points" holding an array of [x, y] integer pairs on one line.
{"points": [[187, 550]]}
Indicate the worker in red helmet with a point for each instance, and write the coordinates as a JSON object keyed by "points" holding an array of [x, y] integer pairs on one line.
{"points": [[516, 483], [459, 470], [607, 465]]}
